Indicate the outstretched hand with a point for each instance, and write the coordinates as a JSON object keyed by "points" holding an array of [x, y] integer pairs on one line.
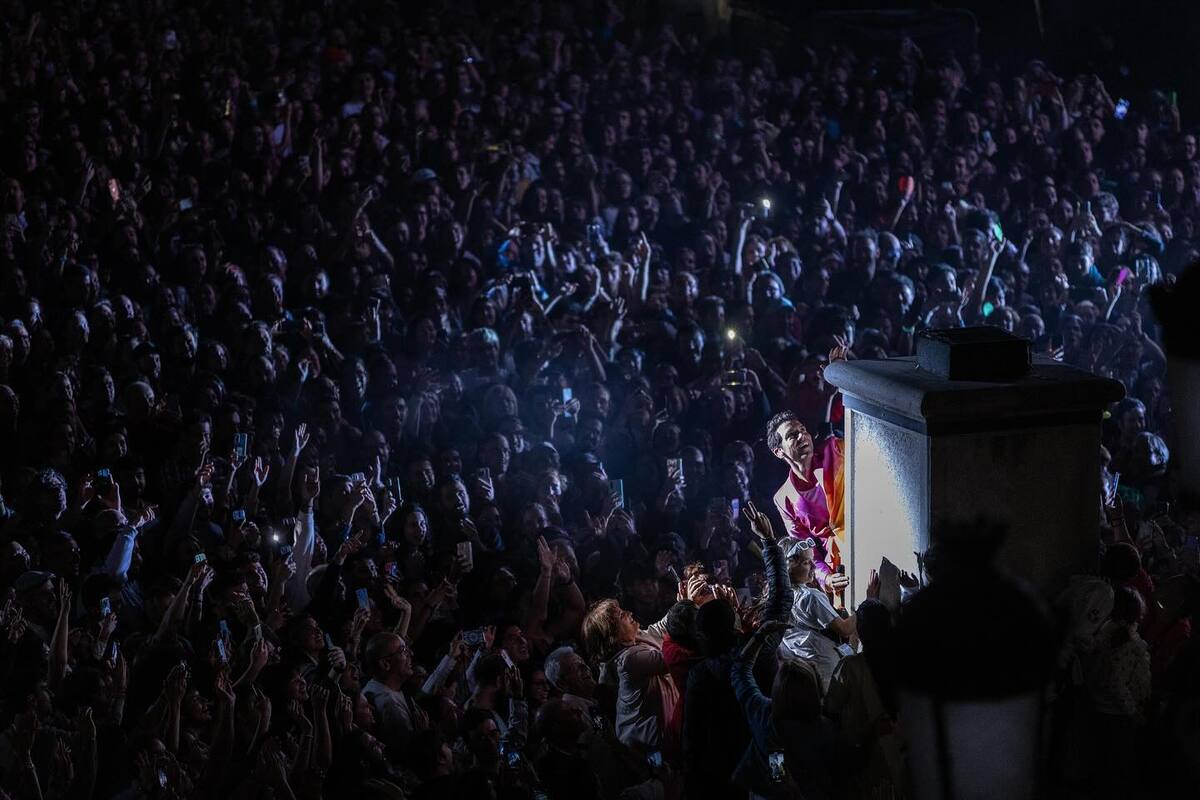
{"points": [[841, 350], [310, 485], [760, 523], [546, 556], [873, 585], [262, 470], [299, 439]]}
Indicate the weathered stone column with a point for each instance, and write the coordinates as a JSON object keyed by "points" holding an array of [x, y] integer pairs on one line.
{"points": [[925, 445]]}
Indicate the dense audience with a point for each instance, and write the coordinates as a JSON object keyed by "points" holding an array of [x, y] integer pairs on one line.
{"points": [[388, 395]]}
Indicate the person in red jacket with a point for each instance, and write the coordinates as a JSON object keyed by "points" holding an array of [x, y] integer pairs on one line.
{"points": [[680, 653]]}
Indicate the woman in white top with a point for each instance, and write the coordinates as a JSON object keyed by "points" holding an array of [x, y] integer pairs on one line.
{"points": [[816, 626]]}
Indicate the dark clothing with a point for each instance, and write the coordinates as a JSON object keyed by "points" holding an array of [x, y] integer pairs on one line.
{"points": [[567, 776], [808, 746], [715, 733], [779, 590]]}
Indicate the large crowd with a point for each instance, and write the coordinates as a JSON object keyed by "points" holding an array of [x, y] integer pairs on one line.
{"points": [[393, 397]]}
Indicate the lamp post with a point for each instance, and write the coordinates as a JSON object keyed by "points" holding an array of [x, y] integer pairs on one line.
{"points": [[976, 654]]}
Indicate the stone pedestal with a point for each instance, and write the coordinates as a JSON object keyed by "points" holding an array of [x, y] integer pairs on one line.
{"points": [[1023, 452]]}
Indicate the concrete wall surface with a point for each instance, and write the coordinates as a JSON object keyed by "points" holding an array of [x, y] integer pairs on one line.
{"points": [[887, 486], [1041, 482]]}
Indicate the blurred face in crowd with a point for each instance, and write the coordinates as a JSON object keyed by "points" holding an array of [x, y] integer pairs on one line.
{"points": [[396, 662], [422, 476], [589, 433], [50, 501], [40, 603], [416, 529], [455, 498], [496, 455], [576, 676], [550, 488], [1133, 422], [691, 347], [514, 432], [197, 709], [597, 401], [450, 463], [534, 519], [513, 640], [297, 687]]}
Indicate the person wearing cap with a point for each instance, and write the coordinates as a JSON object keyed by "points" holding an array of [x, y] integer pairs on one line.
{"points": [[423, 176]]}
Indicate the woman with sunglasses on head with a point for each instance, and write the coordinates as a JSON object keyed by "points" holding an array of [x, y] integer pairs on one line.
{"points": [[816, 627]]}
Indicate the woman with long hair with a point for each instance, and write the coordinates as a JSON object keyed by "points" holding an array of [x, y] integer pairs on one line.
{"points": [[791, 752], [631, 658], [410, 530]]}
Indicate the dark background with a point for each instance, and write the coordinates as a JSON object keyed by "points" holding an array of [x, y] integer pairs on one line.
{"points": [[1148, 44]]}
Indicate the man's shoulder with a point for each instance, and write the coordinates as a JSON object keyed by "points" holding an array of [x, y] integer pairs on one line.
{"points": [[375, 689], [852, 667], [807, 596]]}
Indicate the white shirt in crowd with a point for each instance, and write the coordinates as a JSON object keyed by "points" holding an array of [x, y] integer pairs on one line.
{"points": [[811, 615]]}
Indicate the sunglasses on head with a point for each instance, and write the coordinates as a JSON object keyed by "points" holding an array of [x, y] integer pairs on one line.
{"points": [[801, 544]]}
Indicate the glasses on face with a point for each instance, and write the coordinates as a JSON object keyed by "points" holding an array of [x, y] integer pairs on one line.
{"points": [[401, 650]]}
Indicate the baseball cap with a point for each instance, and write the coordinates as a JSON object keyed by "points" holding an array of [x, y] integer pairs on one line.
{"points": [[423, 175]]}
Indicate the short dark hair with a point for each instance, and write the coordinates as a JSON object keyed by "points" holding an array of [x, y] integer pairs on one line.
{"points": [[715, 621], [874, 623], [1121, 562], [98, 585], [681, 623], [773, 438], [588, 415], [472, 718], [797, 692], [490, 670], [1128, 606], [1126, 405]]}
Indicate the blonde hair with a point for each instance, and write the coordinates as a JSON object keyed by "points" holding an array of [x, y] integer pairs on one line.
{"points": [[602, 630]]}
